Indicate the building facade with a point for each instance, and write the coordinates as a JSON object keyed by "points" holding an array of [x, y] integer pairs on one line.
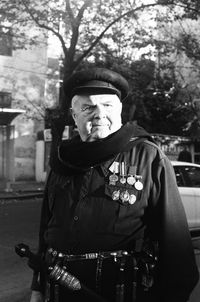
{"points": [[23, 74]]}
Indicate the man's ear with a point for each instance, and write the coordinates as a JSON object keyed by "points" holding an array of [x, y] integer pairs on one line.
{"points": [[73, 114]]}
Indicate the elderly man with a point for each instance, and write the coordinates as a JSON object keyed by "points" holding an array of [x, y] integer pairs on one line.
{"points": [[113, 226]]}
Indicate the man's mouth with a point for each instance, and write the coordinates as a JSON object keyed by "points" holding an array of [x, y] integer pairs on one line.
{"points": [[100, 125]]}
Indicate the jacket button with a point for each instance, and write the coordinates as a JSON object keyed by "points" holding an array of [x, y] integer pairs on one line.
{"points": [[75, 218]]}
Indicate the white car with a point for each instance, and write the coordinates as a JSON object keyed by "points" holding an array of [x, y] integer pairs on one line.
{"points": [[188, 181]]}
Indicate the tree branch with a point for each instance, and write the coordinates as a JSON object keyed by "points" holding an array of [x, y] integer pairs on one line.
{"points": [[109, 26], [47, 27], [133, 11], [75, 25], [86, 4], [70, 12]]}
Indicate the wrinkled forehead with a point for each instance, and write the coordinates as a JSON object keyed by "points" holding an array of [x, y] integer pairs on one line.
{"points": [[79, 100]]}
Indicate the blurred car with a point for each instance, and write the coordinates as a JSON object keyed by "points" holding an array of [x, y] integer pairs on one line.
{"points": [[188, 181]]}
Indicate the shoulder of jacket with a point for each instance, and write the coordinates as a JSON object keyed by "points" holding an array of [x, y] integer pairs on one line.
{"points": [[151, 143], [143, 140], [56, 179], [148, 144]]}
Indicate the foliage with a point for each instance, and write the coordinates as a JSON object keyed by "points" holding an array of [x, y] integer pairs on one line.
{"points": [[178, 56], [164, 115], [112, 33]]}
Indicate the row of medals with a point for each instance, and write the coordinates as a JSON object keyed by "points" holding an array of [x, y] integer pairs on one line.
{"points": [[132, 180]]}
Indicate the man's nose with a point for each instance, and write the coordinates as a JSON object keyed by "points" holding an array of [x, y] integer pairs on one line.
{"points": [[100, 111]]}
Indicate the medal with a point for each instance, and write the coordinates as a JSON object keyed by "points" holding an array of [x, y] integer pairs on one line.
{"points": [[132, 199], [122, 173], [113, 179], [123, 180], [124, 196], [115, 195], [131, 180], [138, 184]]}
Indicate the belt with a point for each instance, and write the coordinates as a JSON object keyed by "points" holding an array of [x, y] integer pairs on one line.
{"points": [[88, 256], [58, 261]]}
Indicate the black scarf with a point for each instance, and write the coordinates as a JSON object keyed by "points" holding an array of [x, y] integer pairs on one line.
{"points": [[75, 156]]}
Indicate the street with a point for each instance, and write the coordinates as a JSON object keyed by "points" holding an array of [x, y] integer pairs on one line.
{"points": [[19, 222]]}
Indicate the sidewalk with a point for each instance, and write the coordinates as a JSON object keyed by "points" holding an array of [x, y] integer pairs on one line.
{"points": [[21, 189]]}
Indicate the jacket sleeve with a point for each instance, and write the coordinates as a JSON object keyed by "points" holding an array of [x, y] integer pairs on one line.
{"points": [[39, 277], [177, 272]]}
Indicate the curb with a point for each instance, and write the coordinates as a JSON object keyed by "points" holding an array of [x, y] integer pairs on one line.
{"points": [[22, 195]]}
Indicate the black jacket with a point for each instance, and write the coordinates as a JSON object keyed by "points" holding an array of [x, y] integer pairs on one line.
{"points": [[79, 215]]}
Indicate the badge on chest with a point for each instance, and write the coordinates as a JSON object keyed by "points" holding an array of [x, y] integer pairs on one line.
{"points": [[127, 182]]}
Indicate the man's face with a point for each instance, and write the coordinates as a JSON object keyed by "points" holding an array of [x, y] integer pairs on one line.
{"points": [[96, 116]]}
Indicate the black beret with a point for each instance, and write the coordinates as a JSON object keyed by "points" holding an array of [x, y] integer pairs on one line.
{"points": [[96, 81]]}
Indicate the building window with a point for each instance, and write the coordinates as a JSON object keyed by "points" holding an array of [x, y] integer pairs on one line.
{"points": [[5, 99], [6, 41]]}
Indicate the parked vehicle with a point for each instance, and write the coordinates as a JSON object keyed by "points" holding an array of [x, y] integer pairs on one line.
{"points": [[188, 181]]}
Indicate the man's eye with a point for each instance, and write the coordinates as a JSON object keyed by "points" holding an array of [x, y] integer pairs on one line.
{"points": [[87, 108]]}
